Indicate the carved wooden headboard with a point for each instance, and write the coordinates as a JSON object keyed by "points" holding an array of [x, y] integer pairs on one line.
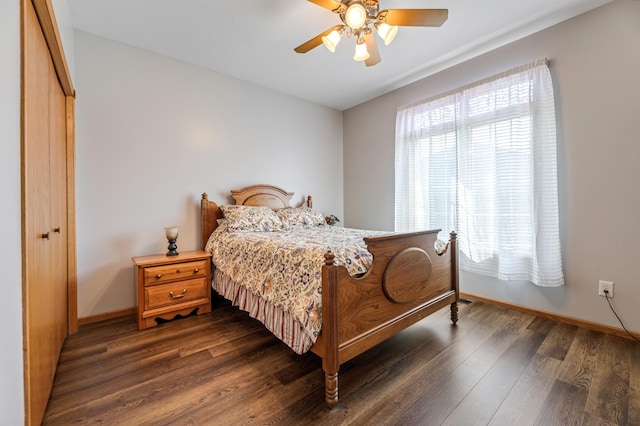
{"points": [[254, 195], [262, 195]]}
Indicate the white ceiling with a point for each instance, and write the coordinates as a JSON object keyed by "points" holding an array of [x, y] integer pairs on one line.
{"points": [[253, 40]]}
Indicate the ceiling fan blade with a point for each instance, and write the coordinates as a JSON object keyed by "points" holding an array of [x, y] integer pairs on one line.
{"points": [[372, 48], [417, 17], [314, 42], [332, 5]]}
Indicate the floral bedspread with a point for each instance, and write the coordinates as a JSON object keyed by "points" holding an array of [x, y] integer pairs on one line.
{"points": [[285, 267]]}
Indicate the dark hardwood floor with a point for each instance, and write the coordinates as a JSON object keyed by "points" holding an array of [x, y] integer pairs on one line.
{"points": [[497, 367]]}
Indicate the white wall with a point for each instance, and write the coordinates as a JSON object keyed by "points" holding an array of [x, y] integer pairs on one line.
{"points": [[62, 12], [11, 380], [154, 133], [595, 63]]}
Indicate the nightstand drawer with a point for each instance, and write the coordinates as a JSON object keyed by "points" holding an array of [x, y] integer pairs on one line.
{"points": [[175, 293], [166, 273]]}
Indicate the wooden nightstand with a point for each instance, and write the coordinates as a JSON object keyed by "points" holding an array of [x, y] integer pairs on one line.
{"points": [[172, 285]]}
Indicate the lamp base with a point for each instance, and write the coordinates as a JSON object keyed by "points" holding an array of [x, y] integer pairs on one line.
{"points": [[172, 248]]}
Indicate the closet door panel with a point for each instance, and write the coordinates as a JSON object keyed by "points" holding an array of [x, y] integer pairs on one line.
{"points": [[37, 340], [58, 209]]}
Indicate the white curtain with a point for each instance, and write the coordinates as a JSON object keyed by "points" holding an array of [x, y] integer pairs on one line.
{"points": [[481, 160]]}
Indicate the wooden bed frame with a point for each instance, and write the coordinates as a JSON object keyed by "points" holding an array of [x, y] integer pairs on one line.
{"points": [[407, 281]]}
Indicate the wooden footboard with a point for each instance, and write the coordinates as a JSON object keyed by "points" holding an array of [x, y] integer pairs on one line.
{"points": [[407, 282]]}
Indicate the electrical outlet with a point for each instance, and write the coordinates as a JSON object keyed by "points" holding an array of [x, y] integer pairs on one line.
{"points": [[605, 285]]}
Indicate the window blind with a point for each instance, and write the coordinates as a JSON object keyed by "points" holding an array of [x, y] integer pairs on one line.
{"points": [[482, 161]]}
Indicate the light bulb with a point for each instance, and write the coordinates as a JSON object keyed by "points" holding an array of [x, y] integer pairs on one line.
{"points": [[331, 41], [361, 51], [355, 16], [387, 32]]}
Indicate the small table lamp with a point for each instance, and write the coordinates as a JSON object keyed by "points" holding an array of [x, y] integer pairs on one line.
{"points": [[172, 236]]}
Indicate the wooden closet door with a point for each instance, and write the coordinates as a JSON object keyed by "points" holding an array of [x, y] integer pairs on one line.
{"points": [[58, 207], [44, 249]]}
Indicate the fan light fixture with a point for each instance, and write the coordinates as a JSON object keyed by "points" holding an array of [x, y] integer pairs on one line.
{"points": [[361, 17], [387, 32], [331, 41], [361, 51], [355, 16]]}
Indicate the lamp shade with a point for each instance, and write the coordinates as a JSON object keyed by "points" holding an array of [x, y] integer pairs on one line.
{"points": [[331, 41], [355, 16], [361, 51], [171, 232], [387, 32]]}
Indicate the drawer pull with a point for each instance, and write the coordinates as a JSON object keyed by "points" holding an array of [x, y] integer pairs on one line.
{"points": [[159, 276], [195, 271], [174, 296], [177, 271], [45, 236]]}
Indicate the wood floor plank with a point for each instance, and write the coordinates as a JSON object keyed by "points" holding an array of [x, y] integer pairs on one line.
{"points": [[277, 398], [358, 373], [564, 405], [449, 376], [97, 332], [581, 359], [609, 394], [106, 403], [258, 382], [368, 393], [634, 386], [528, 396], [176, 384], [212, 393], [126, 371], [365, 380], [589, 419], [541, 325], [170, 336], [224, 368], [558, 341], [491, 390]]}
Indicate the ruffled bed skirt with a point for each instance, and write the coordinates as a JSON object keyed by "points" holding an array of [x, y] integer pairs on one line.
{"points": [[279, 322]]}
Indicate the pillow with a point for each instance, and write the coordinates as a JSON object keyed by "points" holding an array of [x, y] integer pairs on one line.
{"points": [[300, 216], [251, 218]]}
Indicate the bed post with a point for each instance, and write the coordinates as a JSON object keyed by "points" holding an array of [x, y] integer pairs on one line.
{"points": [[453, 238], [309, 202], [330, 332], [204, 219]]}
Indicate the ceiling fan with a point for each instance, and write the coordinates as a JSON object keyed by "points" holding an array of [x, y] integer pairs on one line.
{"points": [[361, 17]]}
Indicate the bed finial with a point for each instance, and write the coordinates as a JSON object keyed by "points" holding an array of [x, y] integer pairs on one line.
{"points": [[309, 201], [329, 258], [205, 196]]}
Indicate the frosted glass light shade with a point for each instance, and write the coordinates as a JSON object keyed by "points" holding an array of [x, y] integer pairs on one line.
{"points": [[171, 232], [331, 41], [387, 32], [356, 16], [361, 52]]}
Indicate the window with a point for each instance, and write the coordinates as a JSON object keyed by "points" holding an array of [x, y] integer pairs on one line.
{"points": [[482, 161]]}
